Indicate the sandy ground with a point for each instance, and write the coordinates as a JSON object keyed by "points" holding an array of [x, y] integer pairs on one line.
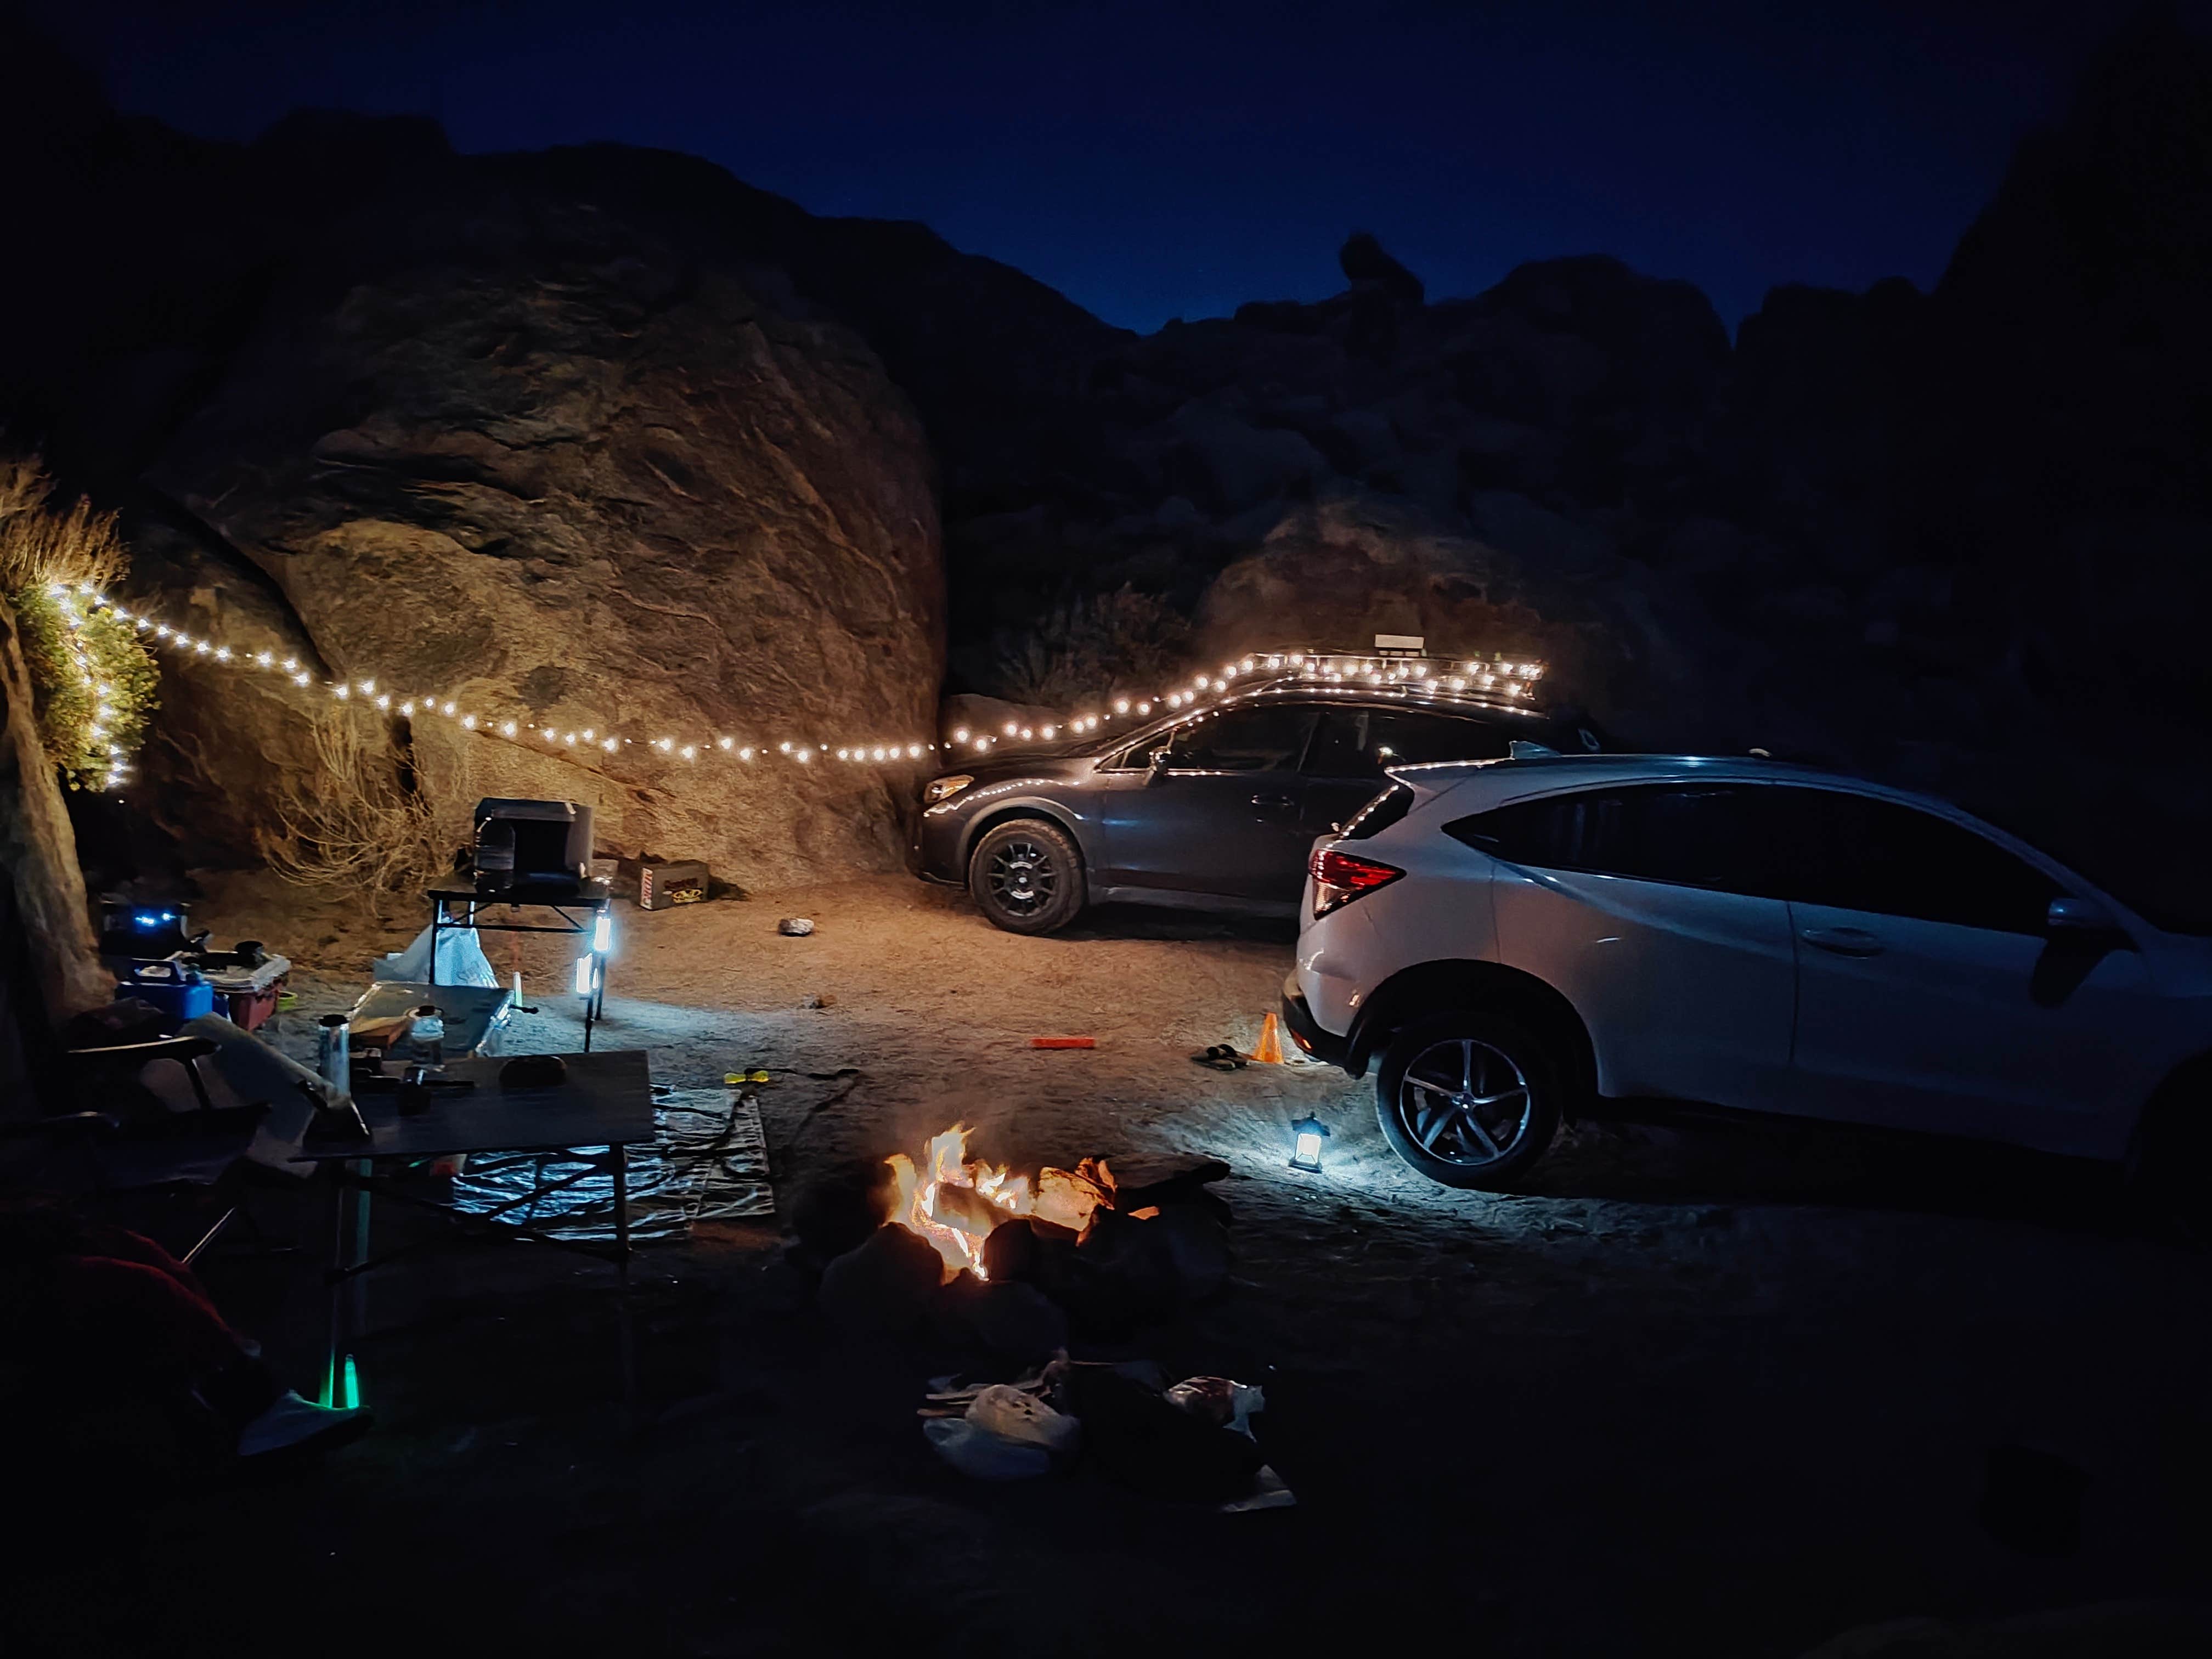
{"points": [[1713, 1388]]}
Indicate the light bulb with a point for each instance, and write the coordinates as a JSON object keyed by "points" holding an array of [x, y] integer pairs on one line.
{"points": [[959, 734], [720, 743], [507, 728], [368, 688], [407, 708], [468, 722], [263, 659], [291, 665], [610, 745], [299, 679], [341, 691], [448, 710], [689, 752], [746, 753]]}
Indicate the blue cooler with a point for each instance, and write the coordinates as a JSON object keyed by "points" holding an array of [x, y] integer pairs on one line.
{"points": [[177, 990]]}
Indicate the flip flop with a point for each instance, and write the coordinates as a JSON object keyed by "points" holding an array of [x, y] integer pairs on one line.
{"points": [[1220, 1058]]}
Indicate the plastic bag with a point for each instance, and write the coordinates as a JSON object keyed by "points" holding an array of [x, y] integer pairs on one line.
{"points": [[982, 1456], [1024, 1420], [460, 961]]}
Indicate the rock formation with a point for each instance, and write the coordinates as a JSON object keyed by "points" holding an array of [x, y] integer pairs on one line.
{"points": [[654, 443]]}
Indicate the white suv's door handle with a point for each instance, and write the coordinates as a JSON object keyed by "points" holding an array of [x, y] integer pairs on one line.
{"points": [[1272, 800], [1842, 941]]}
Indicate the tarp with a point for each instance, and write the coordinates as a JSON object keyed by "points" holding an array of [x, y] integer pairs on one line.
{"points": [[709, 1162]]}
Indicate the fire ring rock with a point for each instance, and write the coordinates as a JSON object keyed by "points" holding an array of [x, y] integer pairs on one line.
{"points": [[795, 927], [885, 1287]]}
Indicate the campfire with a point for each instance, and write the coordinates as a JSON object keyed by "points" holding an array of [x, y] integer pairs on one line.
{"points": [[954, 1201]]}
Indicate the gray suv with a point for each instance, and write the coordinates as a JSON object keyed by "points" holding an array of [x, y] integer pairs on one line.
{"points": [[1210, 810]]}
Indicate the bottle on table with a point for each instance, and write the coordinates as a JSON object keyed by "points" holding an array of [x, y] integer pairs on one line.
{"points": [[426, 1036]]}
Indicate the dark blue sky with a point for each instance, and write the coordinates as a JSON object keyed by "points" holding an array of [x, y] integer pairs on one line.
{"points": [[1156, 161]]}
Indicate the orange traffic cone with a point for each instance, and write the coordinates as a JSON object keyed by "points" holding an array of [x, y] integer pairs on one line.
{"points": [[1270, 1049]]}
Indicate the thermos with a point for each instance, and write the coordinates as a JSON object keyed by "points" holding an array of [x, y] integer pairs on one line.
{"points": [[333, 1056]]}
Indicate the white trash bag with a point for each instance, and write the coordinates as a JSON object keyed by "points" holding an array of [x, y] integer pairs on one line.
{"points": [[1024, 1420], [460, 961]]}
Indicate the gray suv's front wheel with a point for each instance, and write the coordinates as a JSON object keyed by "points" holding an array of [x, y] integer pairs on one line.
{"points": [[1027, 877]]}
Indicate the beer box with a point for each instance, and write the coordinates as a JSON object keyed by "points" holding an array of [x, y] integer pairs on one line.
{"points": [[664, 886]]}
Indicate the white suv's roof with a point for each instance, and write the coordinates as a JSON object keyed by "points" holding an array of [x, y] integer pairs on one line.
{"points": [[1569, 771]]}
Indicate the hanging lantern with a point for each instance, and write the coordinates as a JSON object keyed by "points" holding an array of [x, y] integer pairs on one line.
{"points": [[1307, 1135]]}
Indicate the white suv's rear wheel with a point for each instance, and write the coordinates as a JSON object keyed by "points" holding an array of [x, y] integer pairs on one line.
{"points": [[1469, 1099]]}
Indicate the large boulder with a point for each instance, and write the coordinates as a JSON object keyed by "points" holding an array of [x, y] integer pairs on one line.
{"points": [[519, 458]]}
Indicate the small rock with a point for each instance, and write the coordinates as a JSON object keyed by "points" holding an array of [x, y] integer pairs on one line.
{"points": [[795, 927], [885, 1287], [818, 1000]]}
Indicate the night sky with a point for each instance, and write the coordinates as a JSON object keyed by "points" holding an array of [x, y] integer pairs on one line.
{"points": [[1159, 161]]}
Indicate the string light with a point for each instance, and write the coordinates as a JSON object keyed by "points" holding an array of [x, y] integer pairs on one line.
{"points": [[1509, 679]]}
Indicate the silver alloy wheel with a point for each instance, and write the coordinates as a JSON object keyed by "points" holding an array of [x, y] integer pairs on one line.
{"points": [[1463, 1102], [1021, 877]]}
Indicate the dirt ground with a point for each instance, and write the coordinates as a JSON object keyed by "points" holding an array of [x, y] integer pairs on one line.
{"points": [[1713, 1388]]}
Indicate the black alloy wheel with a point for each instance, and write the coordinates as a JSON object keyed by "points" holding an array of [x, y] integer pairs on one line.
{"points": [[1027, 877], [1469, 1099]]}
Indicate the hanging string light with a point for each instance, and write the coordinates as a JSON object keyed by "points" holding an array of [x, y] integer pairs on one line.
{"points": [[1498, 676]]}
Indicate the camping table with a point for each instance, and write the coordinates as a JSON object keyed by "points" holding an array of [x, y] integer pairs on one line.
{"points": [[605, 1102], [593, 899], [473, 1014]]}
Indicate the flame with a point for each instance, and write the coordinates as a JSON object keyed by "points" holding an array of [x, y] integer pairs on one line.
{"points": [[954, 1202]]}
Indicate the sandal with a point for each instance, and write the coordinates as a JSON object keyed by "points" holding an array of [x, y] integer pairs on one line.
{"points": [[1220, 1058]]}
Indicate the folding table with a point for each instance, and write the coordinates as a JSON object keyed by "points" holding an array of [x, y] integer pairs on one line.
{"points": [[600, 1109], [593, 901]]}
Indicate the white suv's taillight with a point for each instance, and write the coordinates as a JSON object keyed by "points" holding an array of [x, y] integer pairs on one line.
{"points": [[1339, 878]]}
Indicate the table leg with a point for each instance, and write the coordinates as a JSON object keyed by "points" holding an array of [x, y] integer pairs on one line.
{"points": [[349, 1249], [621, 1274]]}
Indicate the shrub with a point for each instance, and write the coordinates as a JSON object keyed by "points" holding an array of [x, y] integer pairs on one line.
{"points": [[93, 681], [359, 824]]}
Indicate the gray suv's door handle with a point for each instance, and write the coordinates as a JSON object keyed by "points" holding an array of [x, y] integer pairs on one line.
{"points": [[1842, 941], [1272, 800]]}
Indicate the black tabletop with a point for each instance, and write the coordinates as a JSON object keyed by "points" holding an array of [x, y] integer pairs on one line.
{"points": [[605, 1100]]}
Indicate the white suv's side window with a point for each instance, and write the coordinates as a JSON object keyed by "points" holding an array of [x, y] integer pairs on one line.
{"points": [[1853, 852], [1708, 836]]}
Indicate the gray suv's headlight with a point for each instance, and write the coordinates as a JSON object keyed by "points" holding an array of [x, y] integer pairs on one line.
{"points": [[945, 788]]}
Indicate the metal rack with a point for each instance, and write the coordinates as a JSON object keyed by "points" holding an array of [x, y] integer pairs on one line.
{"points": [[591, 902]]}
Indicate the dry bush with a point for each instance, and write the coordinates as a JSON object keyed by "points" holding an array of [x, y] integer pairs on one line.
{"points": [[1090, 646], [357, 823], [39, 546]]}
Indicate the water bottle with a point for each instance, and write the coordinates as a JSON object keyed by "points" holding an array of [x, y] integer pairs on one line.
{"points": [[333, 1056], [428, 1035]]}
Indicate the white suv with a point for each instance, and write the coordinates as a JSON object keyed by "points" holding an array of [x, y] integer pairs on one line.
{"points": [[1516, 938]]}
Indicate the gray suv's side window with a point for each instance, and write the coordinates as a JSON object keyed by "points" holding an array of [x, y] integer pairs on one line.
{"points": [[1359, 743], [1707, 836], [1269, 738]]}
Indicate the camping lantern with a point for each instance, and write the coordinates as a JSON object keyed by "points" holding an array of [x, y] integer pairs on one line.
{"points": [[1306, 1137]]}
